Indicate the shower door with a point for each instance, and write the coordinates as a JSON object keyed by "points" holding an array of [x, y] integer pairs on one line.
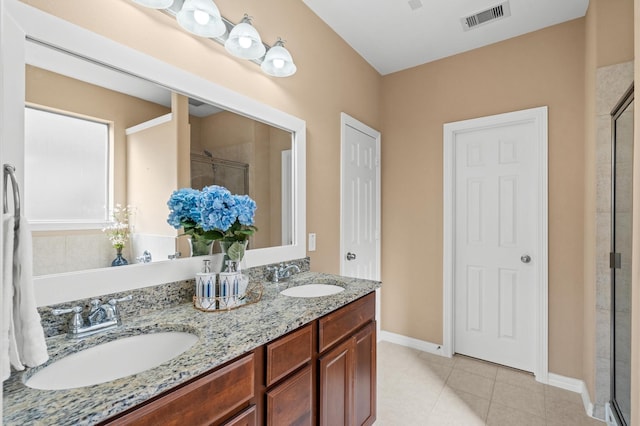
{"points": [[621, 218]]}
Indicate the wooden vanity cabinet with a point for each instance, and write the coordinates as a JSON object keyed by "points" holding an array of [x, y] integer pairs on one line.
{"points": [[347, 371], [321, 373]]}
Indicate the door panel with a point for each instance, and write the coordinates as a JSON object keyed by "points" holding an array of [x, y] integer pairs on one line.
{"points": [[508, 294], [335, 373], [495, 197], [364, 381], [475, 283], [359, 200]]}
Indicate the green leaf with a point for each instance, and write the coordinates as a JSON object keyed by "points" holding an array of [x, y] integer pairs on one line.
{"points": [[213, 235], [236, 251]]}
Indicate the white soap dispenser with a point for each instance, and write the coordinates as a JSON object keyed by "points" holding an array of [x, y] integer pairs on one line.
{"points": [[206, 287]]}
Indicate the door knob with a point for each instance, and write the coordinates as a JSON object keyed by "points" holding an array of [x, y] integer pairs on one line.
{"points": [[351, 256], [525, 258]]}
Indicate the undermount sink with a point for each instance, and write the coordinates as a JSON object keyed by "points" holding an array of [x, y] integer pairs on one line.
{"points": [[312, 290], [112, 360]]}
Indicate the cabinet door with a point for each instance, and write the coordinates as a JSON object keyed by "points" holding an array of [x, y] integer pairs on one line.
{"points": [[290, 403], [335, 371], [364, 382]]}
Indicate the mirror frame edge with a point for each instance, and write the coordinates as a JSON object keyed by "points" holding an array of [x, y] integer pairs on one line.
{"points": [[36, 24]]}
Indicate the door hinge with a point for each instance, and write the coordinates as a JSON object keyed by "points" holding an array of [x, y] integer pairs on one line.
{"points": [[615, 261]]}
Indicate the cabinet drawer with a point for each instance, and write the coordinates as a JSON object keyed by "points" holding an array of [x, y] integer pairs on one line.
{"points": [[291, 402], [289, 353], [343, 322], [246, 418], [205, 401]]}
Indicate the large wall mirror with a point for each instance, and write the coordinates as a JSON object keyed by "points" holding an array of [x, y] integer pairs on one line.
{"points": [[161, 129], [132, 161]]}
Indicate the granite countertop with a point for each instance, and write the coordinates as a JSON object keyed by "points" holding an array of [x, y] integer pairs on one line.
{"points": [[223, 336]]}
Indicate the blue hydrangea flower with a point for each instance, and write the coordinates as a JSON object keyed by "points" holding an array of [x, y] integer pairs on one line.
{"points": [[246, 209], [183, 207], [217, 207]]}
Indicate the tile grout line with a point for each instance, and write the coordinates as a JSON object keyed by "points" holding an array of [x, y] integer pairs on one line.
{"points": [[493, 391], [444, 385]]}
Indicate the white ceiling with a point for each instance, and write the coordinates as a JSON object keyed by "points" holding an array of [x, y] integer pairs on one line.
{"points": [[391, 36]]}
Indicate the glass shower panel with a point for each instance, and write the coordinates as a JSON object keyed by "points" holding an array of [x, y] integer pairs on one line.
{"points": [[621, 259]]}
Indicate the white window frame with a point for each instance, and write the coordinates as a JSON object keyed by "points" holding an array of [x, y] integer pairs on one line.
{"points": [[79, 224]]}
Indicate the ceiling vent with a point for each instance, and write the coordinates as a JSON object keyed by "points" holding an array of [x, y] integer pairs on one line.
{"points": [[486, 16]]}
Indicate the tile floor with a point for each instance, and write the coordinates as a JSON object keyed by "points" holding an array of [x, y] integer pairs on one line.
{"points": [[418, 388]]}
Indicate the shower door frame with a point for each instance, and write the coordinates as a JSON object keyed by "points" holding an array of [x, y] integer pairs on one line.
{"points": [[215, 161], [616, 112]]}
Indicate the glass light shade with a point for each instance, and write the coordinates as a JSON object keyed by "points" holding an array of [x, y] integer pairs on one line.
{"points": [[202, 18], [244, 41], [278, 61], [155, 4]]}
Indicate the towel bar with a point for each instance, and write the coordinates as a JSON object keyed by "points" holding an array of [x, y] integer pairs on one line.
{"points": [[9, 171]]}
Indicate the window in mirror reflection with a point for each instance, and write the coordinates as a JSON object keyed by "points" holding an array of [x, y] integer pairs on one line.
{"points": [[66, 170]]}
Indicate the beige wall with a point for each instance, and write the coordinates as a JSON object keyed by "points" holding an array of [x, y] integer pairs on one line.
{"points": [[541, 68], [153, 164], [614, 30], [331, 78]]}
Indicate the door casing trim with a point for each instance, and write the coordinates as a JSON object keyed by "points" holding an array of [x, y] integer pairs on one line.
{"points": [[539, 117]]}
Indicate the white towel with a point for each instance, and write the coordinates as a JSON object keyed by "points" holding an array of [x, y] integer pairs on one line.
{"points": [[21, 328], [7, 292], [29, 334]]}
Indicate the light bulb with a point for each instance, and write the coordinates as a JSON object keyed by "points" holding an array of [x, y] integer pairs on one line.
{"points": [[278, 63], [244, 42], [201, 17]]}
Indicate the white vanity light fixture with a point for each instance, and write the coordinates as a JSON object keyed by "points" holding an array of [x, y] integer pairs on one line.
{"points": [[155, 4], [202, 18], [278, 61], [244, 41]]}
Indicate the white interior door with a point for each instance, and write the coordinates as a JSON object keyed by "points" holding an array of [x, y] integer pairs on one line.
{"points": [[360, 203], [496, 242]]}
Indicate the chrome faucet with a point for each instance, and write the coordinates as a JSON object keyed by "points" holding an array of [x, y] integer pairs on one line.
{"points": [[145, 257], [101, 317], [282, 272]]}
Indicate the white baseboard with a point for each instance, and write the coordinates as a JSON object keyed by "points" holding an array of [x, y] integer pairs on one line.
{"points": [[410, 342], [573, 385], [562, 382], [566, 383]]}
